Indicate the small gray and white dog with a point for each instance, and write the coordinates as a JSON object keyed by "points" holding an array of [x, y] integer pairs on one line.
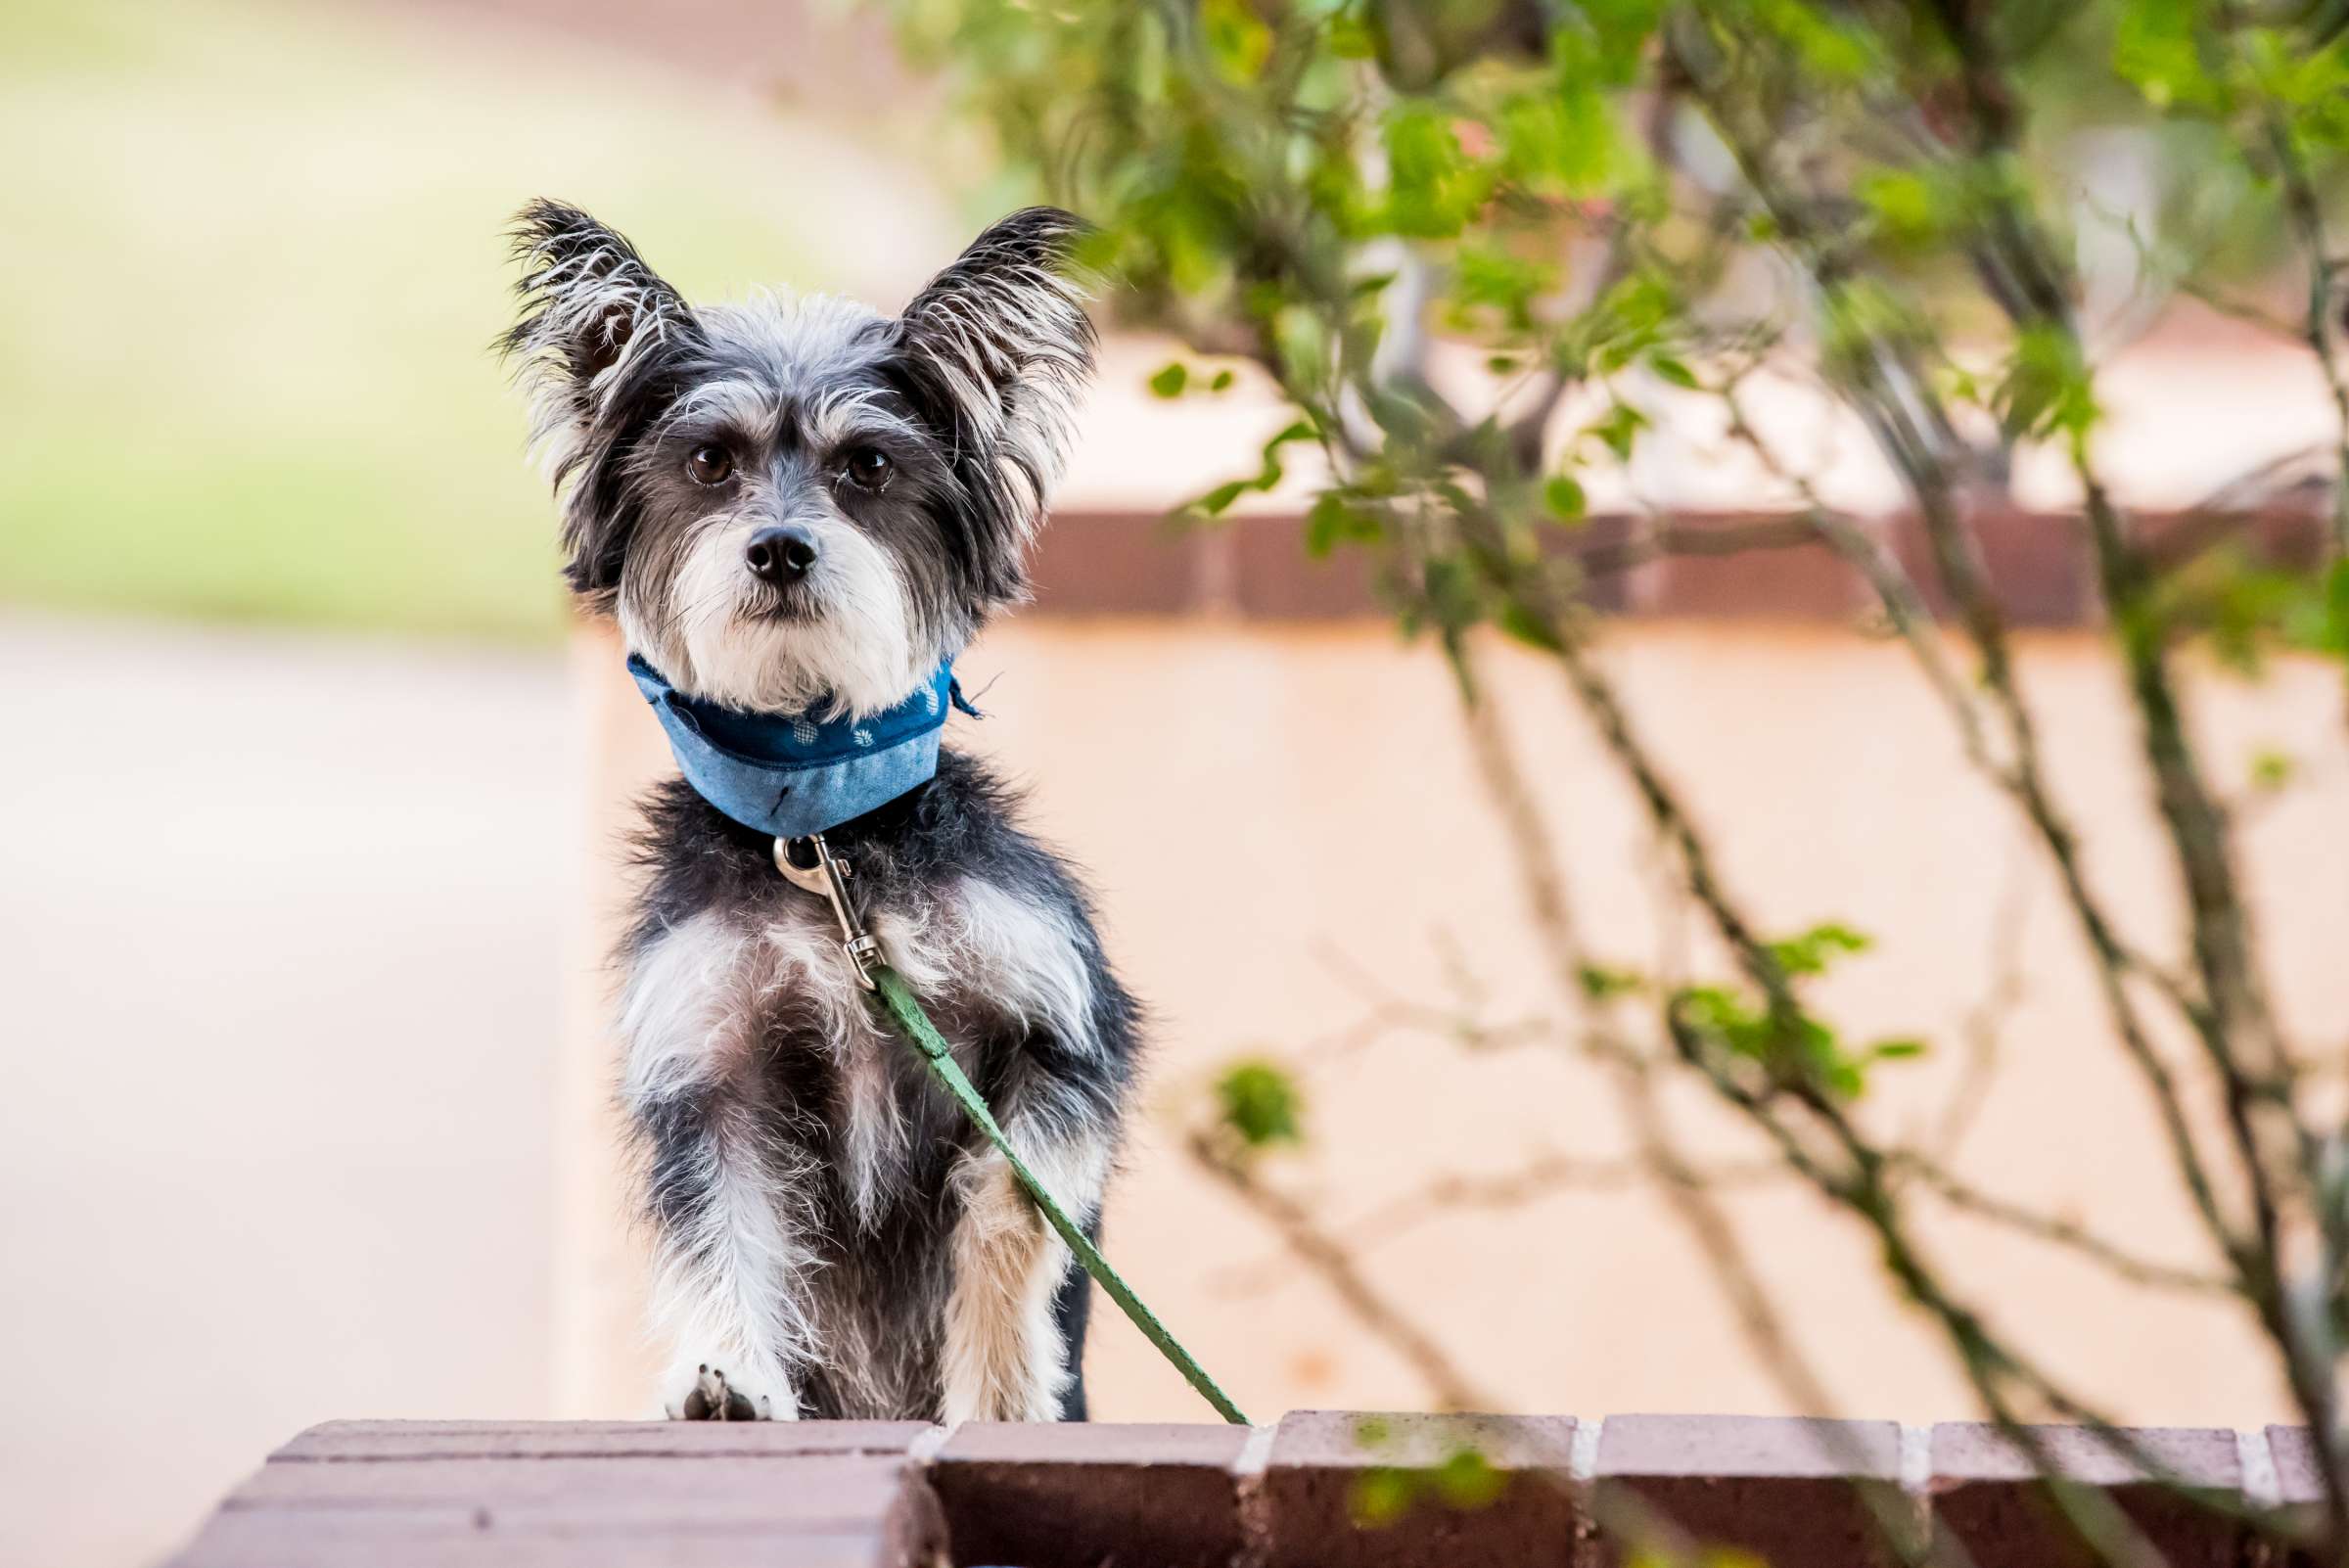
{"points": [[791, 502]]}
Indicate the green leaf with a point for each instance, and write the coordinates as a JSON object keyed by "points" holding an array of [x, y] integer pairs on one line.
{"points": [[1170, 382], [1789, 1046], [1303, 430], [1259, 1104], [1491, 282], [1907, 208], [2155, 47], [1617, 429], [1672, 370], [1522, 623], [1433, 185], [1831, 46], [1237, 41], [1467, 1480], [1810, 952], [1601, 983], [2272, 771], [1728, 1557], [2244, 608], [2047, 389], [1333, 520], [1223, 381], [2320, 622], [1382, 1494], [1563, 495], [1350, 37], [1217, 501], [1561, 140]]}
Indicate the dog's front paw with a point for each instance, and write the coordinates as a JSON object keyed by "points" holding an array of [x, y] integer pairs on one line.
{"points": [[706, 1392]]}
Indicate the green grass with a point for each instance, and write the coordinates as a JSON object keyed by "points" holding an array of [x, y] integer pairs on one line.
{"points": [[252, 259]]}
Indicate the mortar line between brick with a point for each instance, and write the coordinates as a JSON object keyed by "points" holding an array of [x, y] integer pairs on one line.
{"points": [[2262, 1487], [923, 1451], [1255, 1453], [1582, 1455], [1253, 1508], [1582, 1491], [1916, 1458], [1917, 1479]]}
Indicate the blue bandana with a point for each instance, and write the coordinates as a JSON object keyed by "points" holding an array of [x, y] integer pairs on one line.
{"points": [[792, 774]]}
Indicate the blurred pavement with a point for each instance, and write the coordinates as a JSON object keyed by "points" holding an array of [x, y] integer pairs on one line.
{"points": [[281, 947]]}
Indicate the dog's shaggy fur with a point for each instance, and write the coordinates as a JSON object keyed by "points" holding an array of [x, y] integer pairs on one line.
{"points": [[833, 1239]]}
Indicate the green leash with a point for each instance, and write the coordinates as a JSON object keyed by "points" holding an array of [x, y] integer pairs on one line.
{"points": [[897, 1001], [829, 877]]}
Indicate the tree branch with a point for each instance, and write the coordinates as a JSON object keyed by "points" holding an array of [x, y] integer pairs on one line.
{"points": [[2055, 1232], [1334, 1264]]}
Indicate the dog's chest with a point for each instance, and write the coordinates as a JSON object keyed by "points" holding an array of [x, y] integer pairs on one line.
{"points": [[754, 1004]]}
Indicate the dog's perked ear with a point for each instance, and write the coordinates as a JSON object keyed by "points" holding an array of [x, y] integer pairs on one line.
{"points": [[996, 350], [598, 350]]}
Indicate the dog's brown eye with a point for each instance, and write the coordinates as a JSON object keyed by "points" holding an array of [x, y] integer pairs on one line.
{"points": [[710, 465], [868, 466]]}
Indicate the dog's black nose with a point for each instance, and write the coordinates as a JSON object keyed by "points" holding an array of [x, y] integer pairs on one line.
{"points": [[781, 554]]}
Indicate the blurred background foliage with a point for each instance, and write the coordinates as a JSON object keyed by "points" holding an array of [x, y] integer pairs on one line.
{"points": [[254, 266], [1486, 249], [1612, 202], [202, 423], [1260, 171]]}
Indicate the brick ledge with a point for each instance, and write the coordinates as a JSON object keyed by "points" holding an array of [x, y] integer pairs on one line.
{"points": [[1543, 1488], [1253, 567]]}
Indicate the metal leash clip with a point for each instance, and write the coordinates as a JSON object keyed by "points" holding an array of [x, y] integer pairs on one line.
{"points": [[829, 876]]}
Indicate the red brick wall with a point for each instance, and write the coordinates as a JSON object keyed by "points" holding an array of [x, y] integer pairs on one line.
{"points": [[1546, 1490], [1255, 566]]}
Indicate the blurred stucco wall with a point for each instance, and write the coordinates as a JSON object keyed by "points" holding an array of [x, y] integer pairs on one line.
{"points": [[1282, 824]]}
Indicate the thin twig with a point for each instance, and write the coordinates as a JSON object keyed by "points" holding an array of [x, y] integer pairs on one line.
{"points": [[1333, 1262], [1545, 1176], [1984, 1019], [2057, 1231], [1534, 857], [2317, 325]]}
